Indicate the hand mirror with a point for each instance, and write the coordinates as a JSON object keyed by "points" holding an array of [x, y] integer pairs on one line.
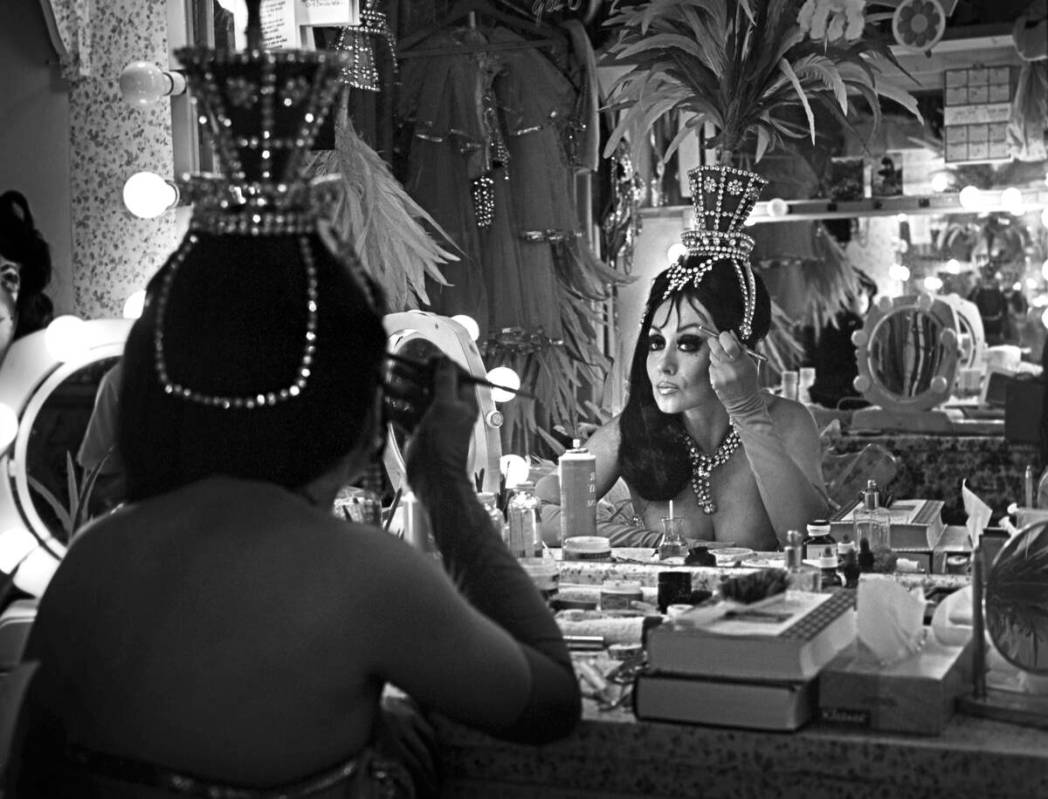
{"points": [[1017, 599]]}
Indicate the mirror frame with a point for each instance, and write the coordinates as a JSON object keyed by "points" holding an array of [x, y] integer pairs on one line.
{"points": [[453, 340], [867, 384], [29, 373]]}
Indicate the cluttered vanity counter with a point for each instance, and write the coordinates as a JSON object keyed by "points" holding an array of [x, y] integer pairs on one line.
{"points": [[615, 755]]}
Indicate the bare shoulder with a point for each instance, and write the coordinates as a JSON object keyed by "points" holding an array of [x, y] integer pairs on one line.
{"points": [[606, 437]]}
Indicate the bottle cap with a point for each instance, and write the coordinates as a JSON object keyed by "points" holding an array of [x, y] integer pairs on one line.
{"points": [[794, 538], [819, 527]]}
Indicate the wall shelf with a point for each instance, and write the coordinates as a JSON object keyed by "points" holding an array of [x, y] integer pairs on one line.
{"points": [[803, 210]]}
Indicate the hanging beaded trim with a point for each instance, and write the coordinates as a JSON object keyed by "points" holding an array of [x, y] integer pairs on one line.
{"points": [[482, 191], [227, 402], [702, 466]]}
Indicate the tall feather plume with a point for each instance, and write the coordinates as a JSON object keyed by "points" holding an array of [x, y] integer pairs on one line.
{"points": [[396, 239]]}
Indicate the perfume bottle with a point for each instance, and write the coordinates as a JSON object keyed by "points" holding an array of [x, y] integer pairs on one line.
{"points": [[672, 543], [871, 522]]}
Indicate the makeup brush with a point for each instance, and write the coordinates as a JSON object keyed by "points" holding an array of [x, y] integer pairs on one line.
{"points": [[753, 354], [464, 376]]}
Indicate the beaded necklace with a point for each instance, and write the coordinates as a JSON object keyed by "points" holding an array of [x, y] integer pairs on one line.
{"points": [[702, 465]]}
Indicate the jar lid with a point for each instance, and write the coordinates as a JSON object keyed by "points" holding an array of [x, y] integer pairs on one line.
{"points": [[631, 587], [827, 561], [819, 527]]}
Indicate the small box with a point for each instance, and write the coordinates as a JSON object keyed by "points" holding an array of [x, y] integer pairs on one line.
{"points": [[915, 695]]}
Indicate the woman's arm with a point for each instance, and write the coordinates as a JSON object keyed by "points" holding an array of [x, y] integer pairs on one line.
{"points": [[492, 656], [781, 443], [778, 436]]}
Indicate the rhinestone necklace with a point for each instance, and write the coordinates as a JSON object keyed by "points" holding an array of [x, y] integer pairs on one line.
{"points": [[702, 465]]}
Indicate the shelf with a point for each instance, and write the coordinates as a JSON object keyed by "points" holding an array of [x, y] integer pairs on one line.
{"points": [[803, 210]]}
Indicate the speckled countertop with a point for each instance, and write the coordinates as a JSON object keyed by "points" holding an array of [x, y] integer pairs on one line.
{"points": [[614, 756]]}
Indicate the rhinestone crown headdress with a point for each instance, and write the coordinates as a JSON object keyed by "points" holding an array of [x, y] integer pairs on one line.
{"points": [[723, 198], [263, 110]]}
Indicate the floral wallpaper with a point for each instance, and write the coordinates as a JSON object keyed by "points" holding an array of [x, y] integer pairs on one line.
{"points": [[115, 253]]}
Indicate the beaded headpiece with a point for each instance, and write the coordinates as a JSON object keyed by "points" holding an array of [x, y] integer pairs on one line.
{"points": [[723, 198], [263, 110]]}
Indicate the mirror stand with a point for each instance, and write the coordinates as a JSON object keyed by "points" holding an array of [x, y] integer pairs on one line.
{"points": [[1028, 710]]}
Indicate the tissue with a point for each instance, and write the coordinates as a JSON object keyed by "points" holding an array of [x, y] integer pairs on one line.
{"points": [[978, 514], [890, 619]]}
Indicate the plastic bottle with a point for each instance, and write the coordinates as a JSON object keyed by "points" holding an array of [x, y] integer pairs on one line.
{"points": [[578, 492], [872, 522], [818, 539], [498, 521], [799, 575], [828, 564], [525, 534]]}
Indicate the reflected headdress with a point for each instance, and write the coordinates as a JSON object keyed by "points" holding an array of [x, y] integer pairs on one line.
{"points": [[723, 198], [263, 110]]}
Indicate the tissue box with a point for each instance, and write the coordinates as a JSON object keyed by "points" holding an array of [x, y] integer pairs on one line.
{"points": [[915, 695]]}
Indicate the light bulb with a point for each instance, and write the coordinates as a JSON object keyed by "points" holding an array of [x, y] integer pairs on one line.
{"points": [[147, 195], [8, 425], [899, 272], [1044, 270], [15, 544], [469, 323], [1044, 317], [143, 83], [504, 376], [970, 198], [953, 266], [1044, 217], [1012, 201], [514, 469], [65, 339], [134, 304], [676, 252], [933, 283]]}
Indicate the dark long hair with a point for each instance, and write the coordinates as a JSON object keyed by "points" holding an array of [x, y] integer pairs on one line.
{"points": [[21, 242], [653, 459], [234, 325]]}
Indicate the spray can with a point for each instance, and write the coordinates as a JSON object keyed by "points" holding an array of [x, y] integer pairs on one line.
{"points": [[578, 492]]}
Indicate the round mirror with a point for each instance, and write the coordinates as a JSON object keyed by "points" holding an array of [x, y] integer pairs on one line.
{"points": [[51, 391], [1017, 599], [418, 335], [907, 352]]}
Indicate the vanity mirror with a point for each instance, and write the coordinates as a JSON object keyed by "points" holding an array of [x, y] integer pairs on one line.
{"points": [[48, 382], [1014, 612], [907, 354], [418, 335]]}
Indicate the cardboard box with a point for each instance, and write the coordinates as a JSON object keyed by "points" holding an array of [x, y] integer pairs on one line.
{"points": [[915, 695]]}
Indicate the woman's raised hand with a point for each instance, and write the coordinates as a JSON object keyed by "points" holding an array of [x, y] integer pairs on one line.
{"points": [[733, 373], [439, 445]]}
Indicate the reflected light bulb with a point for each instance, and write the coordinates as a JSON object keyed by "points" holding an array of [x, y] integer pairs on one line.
{"points": [[898, 272], [1012, 201], [970, 198], [8, 425], [940, 181], [1044, 317], [676, 252], [468, 322], [514, 469], [778, 207], [933, 283], [504, 376], [953, 266], [147, 195], [143, 83], [65, 339], [134, 304]]}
